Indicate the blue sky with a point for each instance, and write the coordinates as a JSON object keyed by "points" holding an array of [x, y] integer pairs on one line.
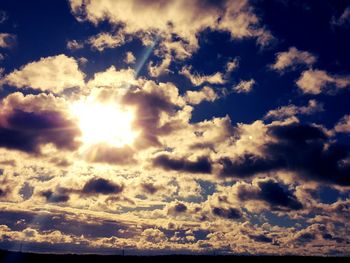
{"points": [[186, 127]]}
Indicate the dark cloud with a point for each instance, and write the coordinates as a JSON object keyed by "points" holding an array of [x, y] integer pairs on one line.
{"points": [[261, 238], [248, 165], [27, 131], [230, 213], [177, 208], [149, 188], [180, 208], [149, 107], [101, 186], [274, 193], [201, 165], [2, 192], [305, 237], [301, 148], [52, 197]]}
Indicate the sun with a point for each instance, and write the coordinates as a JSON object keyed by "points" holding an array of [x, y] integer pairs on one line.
{"points": [[104, 123]]}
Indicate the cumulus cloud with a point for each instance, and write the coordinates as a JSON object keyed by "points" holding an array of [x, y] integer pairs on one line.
{"points": [[103, 153], [129, 58], [55, 197], [292, 58], [230, 213], [101, 186], [232, 65], [161, 68], [155, 106], [203, 203], [343, 126], [113, 79], [245, 86], [270, 191], [106, 40], [29, 122], [197, 79], [178, 17], [201, 165], [294, 147], [318, 81], [293, 110], [53, 74], [196, 97]]}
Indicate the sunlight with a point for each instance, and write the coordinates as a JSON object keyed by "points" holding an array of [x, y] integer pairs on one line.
{"points": [[104, 123]]}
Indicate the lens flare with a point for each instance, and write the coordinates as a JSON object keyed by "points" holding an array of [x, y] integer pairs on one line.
{"points": [[104, 123]]}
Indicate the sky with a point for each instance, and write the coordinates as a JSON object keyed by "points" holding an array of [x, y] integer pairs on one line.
{"points": [[161, 127]]}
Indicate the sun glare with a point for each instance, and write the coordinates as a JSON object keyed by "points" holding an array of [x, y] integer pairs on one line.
{"points": [[104, 123]]}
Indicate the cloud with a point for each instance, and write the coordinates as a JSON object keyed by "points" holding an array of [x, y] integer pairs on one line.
{"points": [[106, 40], [163, 67], [230, 213], [201, 165], [300, 148], [113, 80], [270, 191], [55, 197], [318, 81], [74, 45], [129, 58], [197, 79], [155, 111], [343, 126], [343, 19], [196, 97], [177, 208], [53, 74], [293, 110], [101, 186], [29, 122], [292, 58], [153, 235], [178, 17], [103, 153], [149, 188], [245, 86], [3, 16], [231, 65], [7, 40]]}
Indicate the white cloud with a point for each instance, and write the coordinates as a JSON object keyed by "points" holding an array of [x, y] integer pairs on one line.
{"points": [[112, 78], [178, 17], [317, 81], [163, 67], [292, 110], [53, 74], [291, 58], [245, 86], [129, 58], [197, 79], [196, 97], [232, 65], [343, 125], [106, 40]]}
